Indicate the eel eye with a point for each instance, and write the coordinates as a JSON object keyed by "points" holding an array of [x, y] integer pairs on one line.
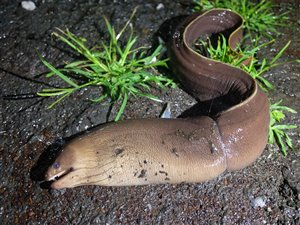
{"points": [[56, 165]]}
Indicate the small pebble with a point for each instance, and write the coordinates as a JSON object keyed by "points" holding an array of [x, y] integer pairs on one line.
{"points": [[259, 202], [166, 113], [57, 192], [160, 6], [28, 5]]}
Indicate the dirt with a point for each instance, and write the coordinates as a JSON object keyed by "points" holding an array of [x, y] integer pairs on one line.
{"points": [[267, 192]]}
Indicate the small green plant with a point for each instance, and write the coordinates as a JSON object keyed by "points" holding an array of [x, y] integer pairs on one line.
{"points": [[277, 131], [121, 70], [237, 57], [258, 15], [224, 53]]}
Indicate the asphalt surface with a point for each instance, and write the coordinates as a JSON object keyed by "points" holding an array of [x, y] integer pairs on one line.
{"points": [[267, 192]]}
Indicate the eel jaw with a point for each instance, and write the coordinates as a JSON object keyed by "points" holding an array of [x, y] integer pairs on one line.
{"points": [[57, 176]]}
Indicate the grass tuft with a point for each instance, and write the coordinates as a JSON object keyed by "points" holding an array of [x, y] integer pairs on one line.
{"points": [[121, 70], [237, 57], [277, 130], [258, 15]]}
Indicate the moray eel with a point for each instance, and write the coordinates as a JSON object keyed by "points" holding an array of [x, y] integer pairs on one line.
{"points": [[194, 149]]}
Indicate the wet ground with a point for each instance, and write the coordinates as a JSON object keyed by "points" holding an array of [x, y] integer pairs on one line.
{"points": [[268, 192]]}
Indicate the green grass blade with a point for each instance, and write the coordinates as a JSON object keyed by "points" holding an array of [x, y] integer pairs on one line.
{"points": [[58, 100], [280, 143], [54, 92], [65, 40], [280, 53], [127, 23], [284, 127], [288, 141], [152, 97], [58, 73], [76, 64], [122, 108]]}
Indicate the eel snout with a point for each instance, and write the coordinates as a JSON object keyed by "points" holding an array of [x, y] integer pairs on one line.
{"points": [[57, 175], [61, 171]]}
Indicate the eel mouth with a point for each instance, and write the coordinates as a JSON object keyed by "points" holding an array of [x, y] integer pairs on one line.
{"points": [[58, 175]]}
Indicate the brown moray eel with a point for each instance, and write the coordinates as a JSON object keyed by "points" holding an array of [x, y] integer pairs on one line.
{"points": [[195, 149]]}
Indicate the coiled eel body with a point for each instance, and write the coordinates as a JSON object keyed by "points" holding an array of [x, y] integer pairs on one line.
{"points": [[195, 149]]}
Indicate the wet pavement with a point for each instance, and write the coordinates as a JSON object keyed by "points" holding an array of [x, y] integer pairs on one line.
{"points": [[267, 192]]}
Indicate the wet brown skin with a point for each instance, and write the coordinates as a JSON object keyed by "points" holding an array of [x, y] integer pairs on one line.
{"points": [[196, 149]]}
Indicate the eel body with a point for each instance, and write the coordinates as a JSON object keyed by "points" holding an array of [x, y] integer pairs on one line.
{"points": [[195, 149]]}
